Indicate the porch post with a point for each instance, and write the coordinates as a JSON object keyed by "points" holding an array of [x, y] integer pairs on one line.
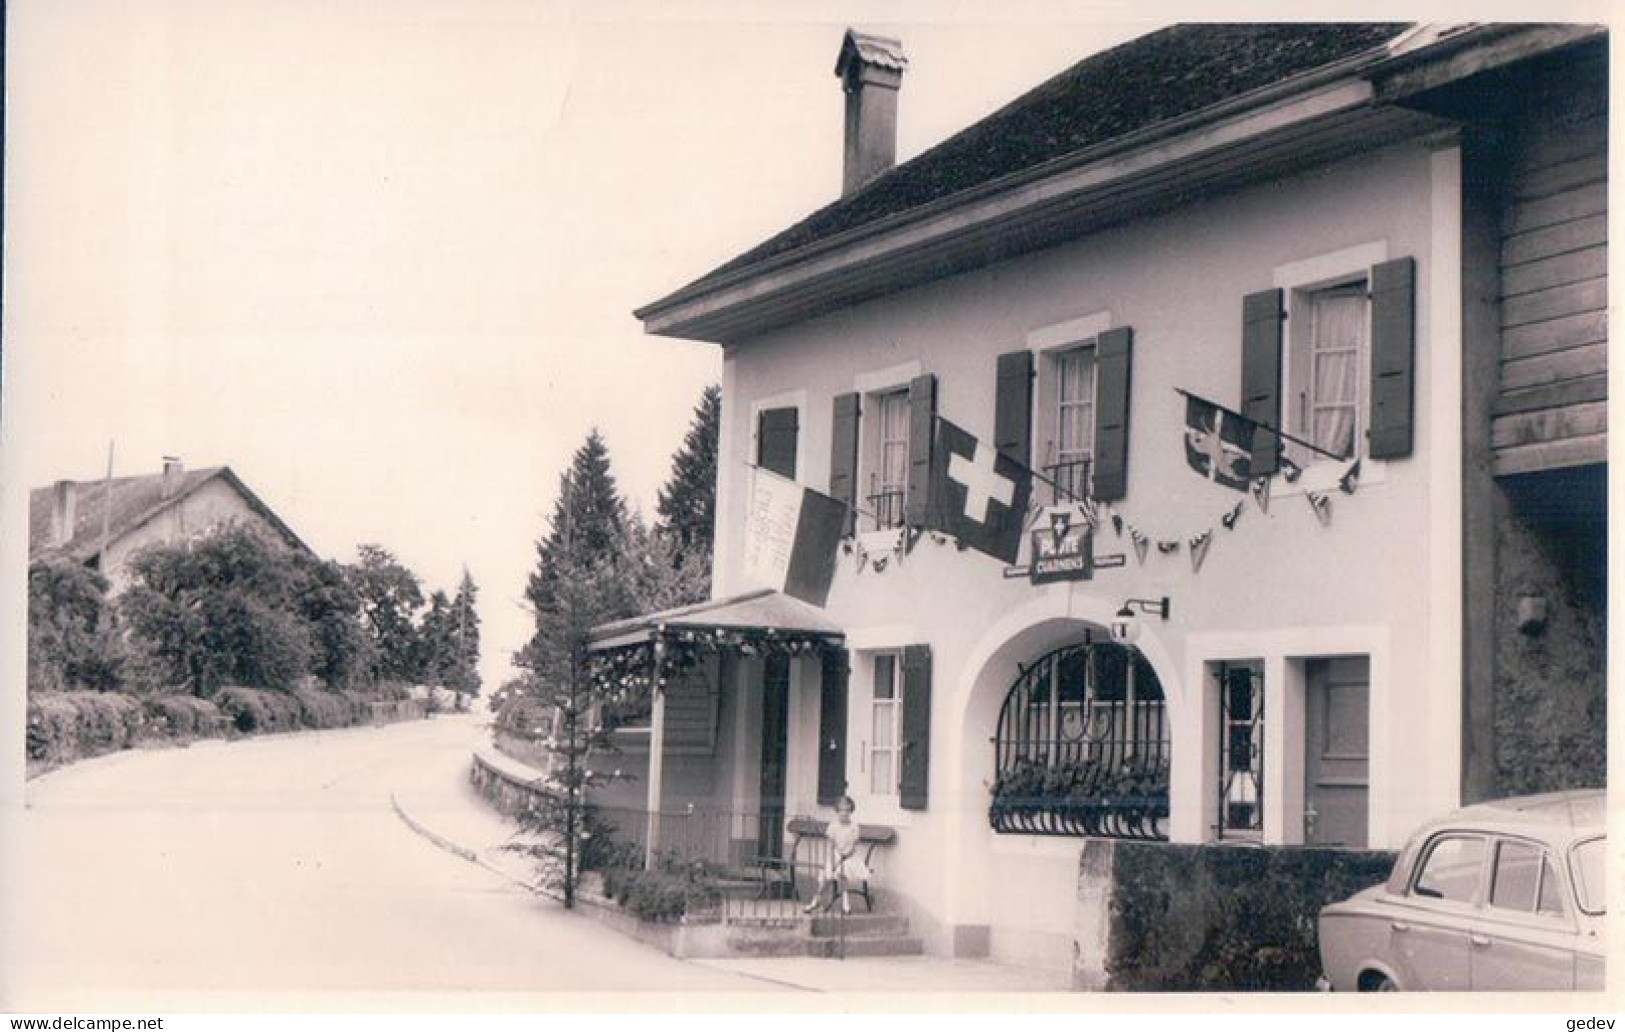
{"points": [[657, 742]]}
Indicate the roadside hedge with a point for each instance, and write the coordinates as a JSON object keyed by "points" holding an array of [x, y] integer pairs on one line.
{"points": [[254, 711], [64, 726], [175, 716], [68, 726]]}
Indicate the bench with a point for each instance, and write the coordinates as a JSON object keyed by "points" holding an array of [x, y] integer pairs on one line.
{"points": [[809, 851]]}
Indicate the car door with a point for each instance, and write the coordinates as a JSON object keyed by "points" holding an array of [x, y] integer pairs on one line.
{"points": [[1525, 936], [1428, 933]]}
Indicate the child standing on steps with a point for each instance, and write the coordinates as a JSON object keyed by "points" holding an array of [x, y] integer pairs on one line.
{"points": [[843, 866]]}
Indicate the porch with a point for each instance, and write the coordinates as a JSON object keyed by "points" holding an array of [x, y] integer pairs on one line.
{"points": [[699, 704]]}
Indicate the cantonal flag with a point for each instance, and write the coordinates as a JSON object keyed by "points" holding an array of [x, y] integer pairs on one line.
{"points": [[1218, 443], [791, 537]]}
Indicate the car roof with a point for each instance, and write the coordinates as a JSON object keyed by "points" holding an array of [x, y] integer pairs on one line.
{"points": [[1565, 814]]}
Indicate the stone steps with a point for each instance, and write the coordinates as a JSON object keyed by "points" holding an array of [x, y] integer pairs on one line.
{"points": [[866, 946]]}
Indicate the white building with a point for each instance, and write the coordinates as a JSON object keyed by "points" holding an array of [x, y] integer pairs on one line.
{"points": [[1292, 221]]}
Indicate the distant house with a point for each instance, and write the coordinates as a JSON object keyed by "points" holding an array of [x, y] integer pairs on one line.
{"points": [[102, 523], [1388, 241]]}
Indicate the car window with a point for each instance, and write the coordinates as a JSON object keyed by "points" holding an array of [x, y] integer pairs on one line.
{"points": [[1453, 869], [1517, 876], [1525, 881], [1586, 868], [1551, 891]]}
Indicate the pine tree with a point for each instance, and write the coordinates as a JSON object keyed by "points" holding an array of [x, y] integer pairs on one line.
{"points": [[687, 502], [465, 629], [589, 519]]}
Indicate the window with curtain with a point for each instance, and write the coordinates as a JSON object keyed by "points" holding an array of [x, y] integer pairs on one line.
{"points": [[883, 726], [889, 478], [1074, 419], [1331, 364]]}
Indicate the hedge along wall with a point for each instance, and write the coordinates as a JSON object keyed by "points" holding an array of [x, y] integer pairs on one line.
{"points": [[1163, 917]]}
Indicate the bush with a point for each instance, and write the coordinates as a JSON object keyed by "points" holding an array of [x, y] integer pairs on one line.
{"points": [[178, 716], [65, 726], [324, 709], [663, 894], [252, 710]]}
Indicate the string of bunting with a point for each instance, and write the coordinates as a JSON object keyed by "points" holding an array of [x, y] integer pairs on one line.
{"points": [[627, 674], [1319, 481]]}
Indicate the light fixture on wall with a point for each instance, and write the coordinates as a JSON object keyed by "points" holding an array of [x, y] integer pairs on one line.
{"points": [[1126, 629]]}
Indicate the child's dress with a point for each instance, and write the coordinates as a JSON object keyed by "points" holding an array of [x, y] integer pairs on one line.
{"points": [[844, 861]]}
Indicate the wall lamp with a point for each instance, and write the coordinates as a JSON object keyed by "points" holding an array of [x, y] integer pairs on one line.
{"points": [[1145, 605], [1126, 629]]}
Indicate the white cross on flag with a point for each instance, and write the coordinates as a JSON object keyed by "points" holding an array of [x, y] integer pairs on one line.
{"points": [[977, 495]]}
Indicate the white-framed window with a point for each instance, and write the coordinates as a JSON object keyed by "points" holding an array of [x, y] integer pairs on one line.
{"points": [[885, 720], [887, 486], [1325, 382], [1329, 366], [1074, 442]]}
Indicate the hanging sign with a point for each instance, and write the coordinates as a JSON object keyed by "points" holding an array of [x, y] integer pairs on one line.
{"points": [[1063, 545]]}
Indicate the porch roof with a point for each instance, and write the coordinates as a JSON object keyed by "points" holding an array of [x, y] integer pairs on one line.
{"points": [[762, 610]]}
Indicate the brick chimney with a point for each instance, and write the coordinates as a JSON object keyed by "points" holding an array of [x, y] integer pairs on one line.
{"points": [[64, 500], [174, 473], [871, 72]]}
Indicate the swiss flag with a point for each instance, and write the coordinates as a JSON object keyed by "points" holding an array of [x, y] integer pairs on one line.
{"points": [[977, 495]]}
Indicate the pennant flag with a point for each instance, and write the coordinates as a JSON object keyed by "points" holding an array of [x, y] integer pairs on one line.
{"points": [[1167, 547], [977, 495], [1261, 494], [792, 535], [1218, 443], [1321, 503], [1090, 512], [1229, 519], [1142, 544], [1350, 478], [1199, 546], [1291, 470]]}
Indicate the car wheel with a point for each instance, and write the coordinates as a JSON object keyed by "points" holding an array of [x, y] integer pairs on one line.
{"points": [[1383, 984]]}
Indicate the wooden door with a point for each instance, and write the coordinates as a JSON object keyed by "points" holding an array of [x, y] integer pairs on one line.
{"points": [[1337, 761]]}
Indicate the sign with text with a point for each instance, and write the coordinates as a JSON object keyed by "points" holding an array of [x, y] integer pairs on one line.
{"points": [[1063, 546]]}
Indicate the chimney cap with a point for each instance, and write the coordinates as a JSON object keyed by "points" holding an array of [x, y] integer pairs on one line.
{"points": [[860, 49]]}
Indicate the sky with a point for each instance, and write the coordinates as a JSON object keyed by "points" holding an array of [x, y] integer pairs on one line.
{"points": [[381, 258]]}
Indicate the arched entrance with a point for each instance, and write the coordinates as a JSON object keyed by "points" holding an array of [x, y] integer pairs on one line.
{"points": [[1082, 746]]}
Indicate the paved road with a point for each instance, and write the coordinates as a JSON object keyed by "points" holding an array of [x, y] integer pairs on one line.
{"points": [[273, 869]]}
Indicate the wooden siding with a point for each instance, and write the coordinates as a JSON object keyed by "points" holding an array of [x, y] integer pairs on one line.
{"points": [[1552, 407]]}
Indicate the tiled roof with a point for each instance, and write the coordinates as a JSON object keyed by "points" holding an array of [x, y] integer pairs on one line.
{"points": [[129, 502], [1160, 76]]}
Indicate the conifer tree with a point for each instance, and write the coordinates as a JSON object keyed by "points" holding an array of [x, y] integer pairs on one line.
{"points": [[687, 503]]}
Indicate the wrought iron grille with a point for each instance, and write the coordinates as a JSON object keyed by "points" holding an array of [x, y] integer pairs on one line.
{"points": [[1241, 739], [1082, 747], [887, 507], [1069, 481]]}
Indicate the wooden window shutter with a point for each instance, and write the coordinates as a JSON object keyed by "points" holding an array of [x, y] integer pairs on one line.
{"points": [[1114, 352], [1013, 407], [843, 459], [914, 780], [1393, 358], [776, 440], [922, 412], [1261, 316], [832, 728]]}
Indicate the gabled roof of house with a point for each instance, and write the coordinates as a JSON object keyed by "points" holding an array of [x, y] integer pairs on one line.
{"points": [[129, 503], [1128, 88]]}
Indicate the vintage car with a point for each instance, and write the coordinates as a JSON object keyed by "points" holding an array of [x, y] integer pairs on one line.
{"points": [[1502, 895]]}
